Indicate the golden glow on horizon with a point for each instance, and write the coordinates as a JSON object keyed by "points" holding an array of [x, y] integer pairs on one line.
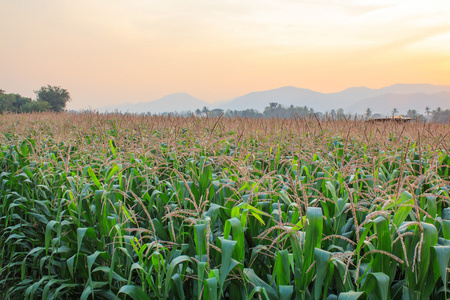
{"points": [[108, 52]]}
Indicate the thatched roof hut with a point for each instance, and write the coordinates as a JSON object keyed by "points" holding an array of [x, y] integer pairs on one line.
{"points": [[398, 119]]}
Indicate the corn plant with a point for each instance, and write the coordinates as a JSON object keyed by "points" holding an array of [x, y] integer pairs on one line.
{"points": [[163, 207]]}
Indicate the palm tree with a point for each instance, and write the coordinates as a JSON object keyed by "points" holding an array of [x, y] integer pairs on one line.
{"points": [[333, 113], [273, 105], [394, 111], [427, 111], [412, 113]]}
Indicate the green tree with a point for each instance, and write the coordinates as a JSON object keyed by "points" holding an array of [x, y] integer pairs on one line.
{"points": [[427, 111], [394, 112], [368, 113], [12, 102], [7, 102], [56, 96], [333, 113], [19, 102], [216, 112], [38, 106], [273, 105], [412, 113], [441, 116]]}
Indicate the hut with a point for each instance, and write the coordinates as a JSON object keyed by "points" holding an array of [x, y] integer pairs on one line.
{"points": [[397, 119]]}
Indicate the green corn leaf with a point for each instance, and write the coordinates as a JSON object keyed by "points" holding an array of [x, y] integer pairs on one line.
{"points": [[431, 209], [200, 239], [379, 283], [429, 240], [134, 292], [258, 282], [91, 260], [281, 270], [201, 267], [71, 264], [322, 259], [113, 171], [31, 290], [50, 283], [403, 208], [442, 254], [48, 233], [227, 247], [176, 279], [382, 262], [446, 229], [261, 292], [211, 285], [363, 236], [94, 178], [350, 295], [81, 233], [134, 266], [234, 226], [285, 292], [171, 269], [313, 237]]}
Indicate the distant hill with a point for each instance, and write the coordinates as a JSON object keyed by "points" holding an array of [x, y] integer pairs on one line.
{"points": [[414, 88], [384, 104], [352, 100], [178, 102], [285, 95]]}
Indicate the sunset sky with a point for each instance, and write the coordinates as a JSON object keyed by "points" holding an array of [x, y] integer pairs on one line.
{"points": [[109, 51]]}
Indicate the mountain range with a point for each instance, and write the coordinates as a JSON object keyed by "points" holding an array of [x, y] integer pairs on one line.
{"points": [[352, 100], [177, 102]]}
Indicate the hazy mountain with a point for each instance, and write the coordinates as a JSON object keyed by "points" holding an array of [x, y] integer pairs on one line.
{"points": [[171, 103], [414, 88], [384, 104], [285, 95], [350, 96], [353, 100]]}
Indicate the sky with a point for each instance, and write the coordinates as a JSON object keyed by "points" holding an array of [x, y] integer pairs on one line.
{"points": [[106, 52]]}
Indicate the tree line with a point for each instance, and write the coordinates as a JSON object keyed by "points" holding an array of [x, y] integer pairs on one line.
{"points": [[55, 98], [437, 115], [48, 98], [277, 110], [272, 111]]}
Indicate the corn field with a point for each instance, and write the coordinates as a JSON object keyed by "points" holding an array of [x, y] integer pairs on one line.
{"points": [[149, 207]]}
